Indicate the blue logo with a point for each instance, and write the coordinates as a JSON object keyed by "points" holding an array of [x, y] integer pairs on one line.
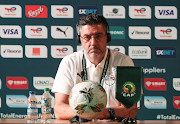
{"points": [[10, 31], [116, 49], [155, 102], [166, 12], [165, 52], [16, 101], [83, 10]]}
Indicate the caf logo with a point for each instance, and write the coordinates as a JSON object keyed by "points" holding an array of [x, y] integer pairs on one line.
{"points": [[128, 89]]}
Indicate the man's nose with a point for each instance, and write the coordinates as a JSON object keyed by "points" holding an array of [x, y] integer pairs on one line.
{"points": [[93, 41]]}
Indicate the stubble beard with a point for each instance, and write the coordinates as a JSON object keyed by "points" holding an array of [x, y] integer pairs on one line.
{"points": [[92, 54]]}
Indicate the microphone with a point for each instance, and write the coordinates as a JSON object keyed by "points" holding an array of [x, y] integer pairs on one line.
{"points": [[130, 120]]}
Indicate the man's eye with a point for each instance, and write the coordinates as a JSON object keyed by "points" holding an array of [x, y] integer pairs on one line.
{"points": [[98, 36], [86, 37]]}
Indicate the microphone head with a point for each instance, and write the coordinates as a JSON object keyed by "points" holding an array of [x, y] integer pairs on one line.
{"points": [[129, 121]]}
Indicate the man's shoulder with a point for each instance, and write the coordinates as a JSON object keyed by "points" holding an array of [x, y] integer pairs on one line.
{"points": [[118, 54], [74, 56], [120, 59]]}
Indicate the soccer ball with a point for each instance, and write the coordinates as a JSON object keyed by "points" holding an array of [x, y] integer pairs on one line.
{"points": [[87, 99]]}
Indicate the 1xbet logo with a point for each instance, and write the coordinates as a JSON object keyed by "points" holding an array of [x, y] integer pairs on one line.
{"points": [[165, 52], [86, 10]]}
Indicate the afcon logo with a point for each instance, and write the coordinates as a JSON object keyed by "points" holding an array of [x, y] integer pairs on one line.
{"points": [[128, 89]]}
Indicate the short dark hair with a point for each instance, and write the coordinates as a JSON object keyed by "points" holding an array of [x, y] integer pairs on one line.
{"points": [[91, 19]]}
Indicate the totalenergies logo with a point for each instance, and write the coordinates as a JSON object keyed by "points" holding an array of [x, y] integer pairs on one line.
{"points": [[12, 9], [63, 50], [115, 11], [167, 31], [142, 10], [116, 49], [63, 10], [128, 89], [38, 30]]}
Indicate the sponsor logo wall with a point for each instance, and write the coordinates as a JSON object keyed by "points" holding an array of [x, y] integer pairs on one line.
{"points": [[35, 37]]}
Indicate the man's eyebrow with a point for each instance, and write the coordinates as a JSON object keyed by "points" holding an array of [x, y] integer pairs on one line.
{"points": [[99, 33], [90, 35], [86, 35]]}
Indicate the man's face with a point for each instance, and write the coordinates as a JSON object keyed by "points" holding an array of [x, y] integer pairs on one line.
{"points": [[95, 47]]}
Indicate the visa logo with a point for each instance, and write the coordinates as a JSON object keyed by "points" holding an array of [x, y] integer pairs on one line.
{"points": [[10, 31], [165, 52], [166, 12]]}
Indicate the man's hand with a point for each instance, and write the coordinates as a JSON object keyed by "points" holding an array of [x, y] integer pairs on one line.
{"points": [[62, 110], [120, 111], [104, 114]]}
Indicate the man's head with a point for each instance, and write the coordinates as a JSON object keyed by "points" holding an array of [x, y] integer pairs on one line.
{"points": [[92, 19], [93, 36]]}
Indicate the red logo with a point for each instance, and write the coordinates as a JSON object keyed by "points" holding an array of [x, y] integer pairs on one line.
{"points": [[176, 102], [155, 84], [36, 51], [11, 9], [36, 11], [17, 82], [166, 31]]}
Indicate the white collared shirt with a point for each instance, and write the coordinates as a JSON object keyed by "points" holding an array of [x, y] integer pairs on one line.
{"points": [[94, 72], [66, 76]]}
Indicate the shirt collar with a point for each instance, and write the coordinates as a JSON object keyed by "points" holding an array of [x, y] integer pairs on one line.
{"points": [[101, 64]]}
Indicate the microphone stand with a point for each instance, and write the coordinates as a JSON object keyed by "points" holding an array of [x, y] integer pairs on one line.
{"points": [[131, 120]]}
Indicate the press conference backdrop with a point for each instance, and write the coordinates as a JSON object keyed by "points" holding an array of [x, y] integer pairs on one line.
{"points": [[35, 35]]}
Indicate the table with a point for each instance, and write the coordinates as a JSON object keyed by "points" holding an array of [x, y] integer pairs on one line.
{"points": [[54, 121]]}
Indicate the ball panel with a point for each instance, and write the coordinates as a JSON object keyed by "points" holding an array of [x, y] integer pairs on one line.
{"points": [[88, 99]]}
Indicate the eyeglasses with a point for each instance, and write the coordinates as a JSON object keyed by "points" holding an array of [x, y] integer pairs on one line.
{"points": [[87, 38]]}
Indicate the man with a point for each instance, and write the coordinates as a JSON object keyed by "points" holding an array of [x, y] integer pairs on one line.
{"points": [[93, 35]]}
